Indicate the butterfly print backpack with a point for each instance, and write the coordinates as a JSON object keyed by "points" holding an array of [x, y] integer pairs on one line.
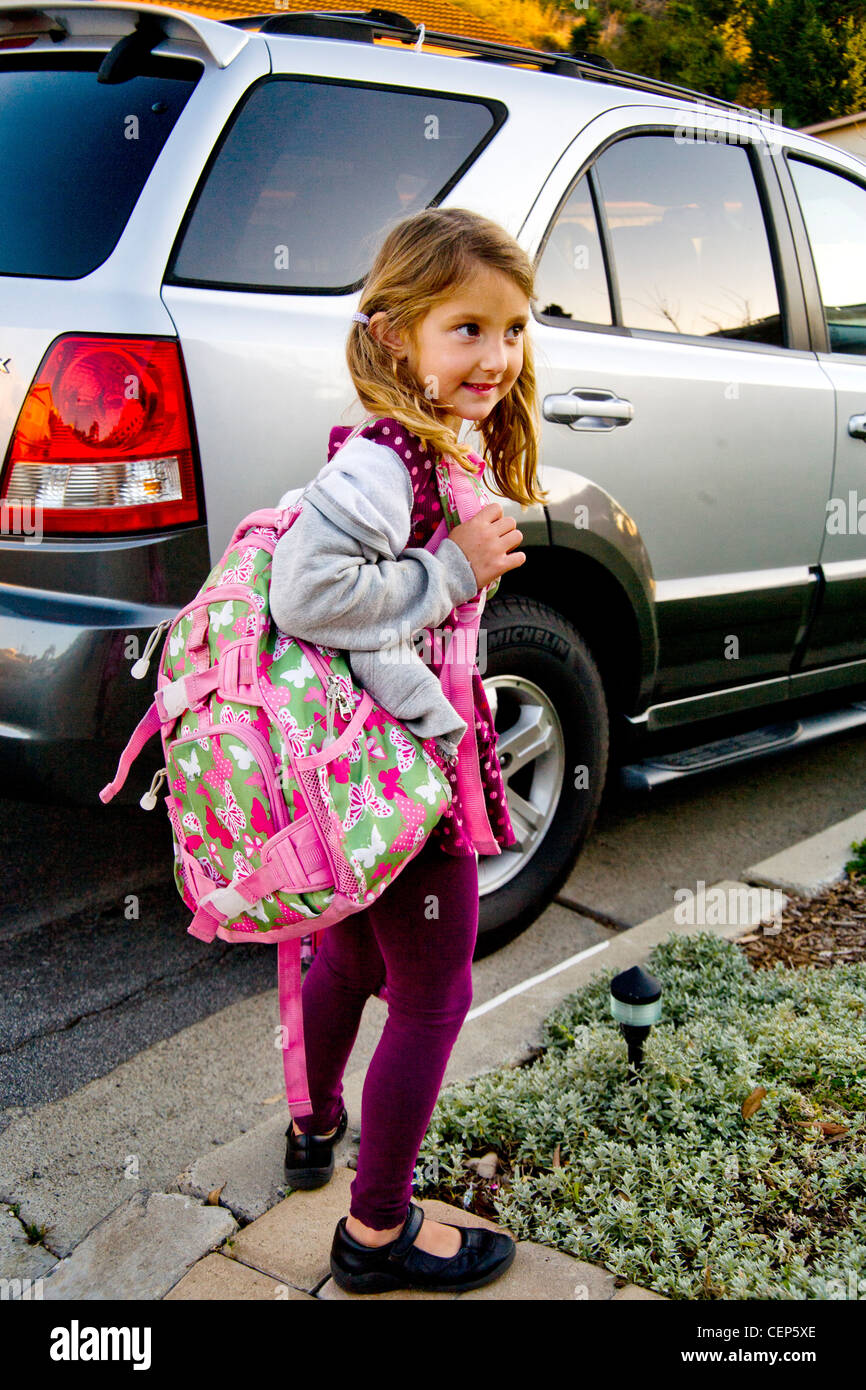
{"points": [[294, 798]]}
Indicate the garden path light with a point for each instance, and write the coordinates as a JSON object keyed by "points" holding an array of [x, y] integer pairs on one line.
{"points": [[635, 1002]]}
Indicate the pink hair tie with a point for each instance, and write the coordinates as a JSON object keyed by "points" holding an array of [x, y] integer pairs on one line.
{"points": [[361, 318]]}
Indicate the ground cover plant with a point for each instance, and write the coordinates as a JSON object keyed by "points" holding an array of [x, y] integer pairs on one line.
{"points": [[732, 1166]]}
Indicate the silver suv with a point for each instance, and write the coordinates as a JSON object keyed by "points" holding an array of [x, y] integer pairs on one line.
{"points": [[189, 208]]}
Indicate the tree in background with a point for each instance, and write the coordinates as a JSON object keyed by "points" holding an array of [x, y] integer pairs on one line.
{"points": [[805, 57], [676, 40], [811, 55]]}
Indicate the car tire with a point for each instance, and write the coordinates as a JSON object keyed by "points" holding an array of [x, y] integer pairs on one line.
{"points": [[551, 718]]}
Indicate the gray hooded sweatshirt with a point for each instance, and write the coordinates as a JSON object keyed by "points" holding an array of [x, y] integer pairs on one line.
{"points": [[343, 577]]}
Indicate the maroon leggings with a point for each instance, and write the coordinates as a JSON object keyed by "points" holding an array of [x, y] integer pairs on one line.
{"points": [[418, 940]]}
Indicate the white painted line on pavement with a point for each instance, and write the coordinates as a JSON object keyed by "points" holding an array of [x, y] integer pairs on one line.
{"points": [[536, 980]]}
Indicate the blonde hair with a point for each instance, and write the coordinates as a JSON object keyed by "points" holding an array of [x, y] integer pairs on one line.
{"points": [[424, 259]]}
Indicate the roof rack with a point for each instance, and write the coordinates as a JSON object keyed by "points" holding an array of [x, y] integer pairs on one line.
{"points": [[363, 26]]}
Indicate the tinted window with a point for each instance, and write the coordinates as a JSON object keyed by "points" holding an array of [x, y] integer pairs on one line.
{"points": [[310, 173], [688, 238], [570, 280], [75, 154], [834, 210]]}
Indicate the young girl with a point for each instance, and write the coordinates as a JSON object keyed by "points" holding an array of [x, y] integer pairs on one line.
{"points": [[440, 339]]}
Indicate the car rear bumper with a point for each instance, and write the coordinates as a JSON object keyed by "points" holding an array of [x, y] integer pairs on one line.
{"points": [[68, 702]]}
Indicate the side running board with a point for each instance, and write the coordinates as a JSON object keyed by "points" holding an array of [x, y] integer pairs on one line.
{"points": [[755, 743]]}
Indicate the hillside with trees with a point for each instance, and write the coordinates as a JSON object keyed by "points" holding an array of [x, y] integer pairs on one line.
{"points": [[804, 58]]}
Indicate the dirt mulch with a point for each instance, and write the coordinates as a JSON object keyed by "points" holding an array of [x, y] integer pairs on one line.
{"points": [[823, 931]]}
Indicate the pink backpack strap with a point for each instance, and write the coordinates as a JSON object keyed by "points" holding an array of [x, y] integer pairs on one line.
{"points": [[457, 678], [144, 730], [292, 1027], [271, 517]]}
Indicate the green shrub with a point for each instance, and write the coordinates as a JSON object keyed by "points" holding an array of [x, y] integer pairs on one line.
{"points": [[663, 1181], [857, 866]]}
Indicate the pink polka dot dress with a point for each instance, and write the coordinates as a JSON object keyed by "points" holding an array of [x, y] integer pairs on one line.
{"points": [[426, 516]]}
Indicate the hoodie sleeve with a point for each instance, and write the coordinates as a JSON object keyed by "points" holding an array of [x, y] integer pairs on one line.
{"points": [[336, 576], [406, 687]]}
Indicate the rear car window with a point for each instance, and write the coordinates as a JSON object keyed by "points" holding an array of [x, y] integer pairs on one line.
{"points": [[834, 210], [309, 172], [75, 154]]}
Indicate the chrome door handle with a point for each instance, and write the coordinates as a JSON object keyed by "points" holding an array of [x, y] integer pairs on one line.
{"points": [[588, 408], [857, 427]]}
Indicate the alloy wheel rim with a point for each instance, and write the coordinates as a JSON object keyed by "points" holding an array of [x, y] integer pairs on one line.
{"points": [[530, 745]]}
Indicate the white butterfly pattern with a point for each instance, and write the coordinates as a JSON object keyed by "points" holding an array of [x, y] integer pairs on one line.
{"points": [[242, 572], [231, 815], [191, 767], [295, 736], [405, 751], [430, 790], [242, 756], [242, 865], [367, 855], [300, 675], [362, 799], [221, 617], [302, 909], [228, 716]]}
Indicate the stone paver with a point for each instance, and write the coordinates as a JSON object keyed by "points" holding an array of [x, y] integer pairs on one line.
{"points": [[141, 1250], [216, 1277], [812, 865], [250, 1169], [292, 1241], [540, 1273]]}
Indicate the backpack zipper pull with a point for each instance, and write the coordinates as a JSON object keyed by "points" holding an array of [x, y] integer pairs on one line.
{"points": [[148, 801], [331, 704], [139, 670], [337, 699]]}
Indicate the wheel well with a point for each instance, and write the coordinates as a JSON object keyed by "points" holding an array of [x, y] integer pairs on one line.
{"points": [[585, 593]]}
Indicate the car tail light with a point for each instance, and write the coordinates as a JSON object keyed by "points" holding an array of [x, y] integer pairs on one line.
{"points": [[103, 441]]}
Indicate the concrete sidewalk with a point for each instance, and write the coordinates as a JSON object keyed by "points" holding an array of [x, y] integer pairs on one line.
{"points": [[252, 1241]]}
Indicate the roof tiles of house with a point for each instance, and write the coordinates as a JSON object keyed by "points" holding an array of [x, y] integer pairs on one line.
{"points": [[433, 14]]}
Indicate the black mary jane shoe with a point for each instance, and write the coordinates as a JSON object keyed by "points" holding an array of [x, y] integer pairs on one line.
{"points": [[482, 1257], [309, 1159]]}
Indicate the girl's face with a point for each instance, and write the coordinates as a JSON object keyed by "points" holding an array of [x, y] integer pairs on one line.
{"points": [[472, 339]]}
